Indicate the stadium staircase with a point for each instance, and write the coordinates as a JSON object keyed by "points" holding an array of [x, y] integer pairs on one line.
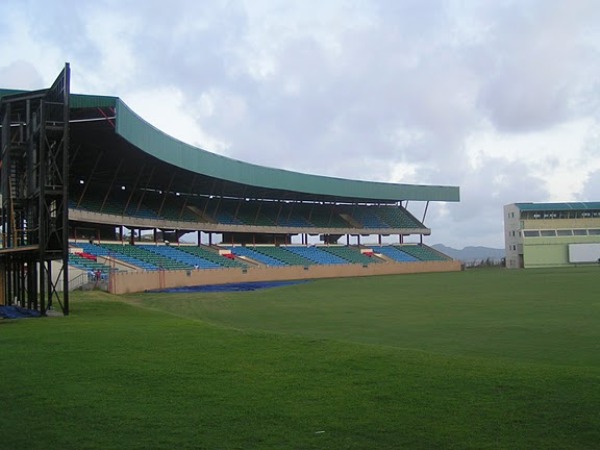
{"points": [[178, 259], [317, 255], [122, 252], [396, 217], [351, 254], [285, 256], [423, 252], [90, 265], [251, 253], [395, 254], [211, 256]]}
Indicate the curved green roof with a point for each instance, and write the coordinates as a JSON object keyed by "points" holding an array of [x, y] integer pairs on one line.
{"points": [[168, 149], [158, 144]]}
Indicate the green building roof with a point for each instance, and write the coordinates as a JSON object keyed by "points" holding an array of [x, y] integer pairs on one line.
{"points": [[568, 206]]}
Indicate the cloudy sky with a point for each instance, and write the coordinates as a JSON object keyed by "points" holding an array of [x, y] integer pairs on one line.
{"points": [[501, 98]]}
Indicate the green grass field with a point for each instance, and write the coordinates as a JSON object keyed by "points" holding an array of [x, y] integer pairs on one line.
{"points": [[483, 359]]}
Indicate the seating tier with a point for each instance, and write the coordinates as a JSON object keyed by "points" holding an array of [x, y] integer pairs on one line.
{"points": [[227, 211], [188, 257]]}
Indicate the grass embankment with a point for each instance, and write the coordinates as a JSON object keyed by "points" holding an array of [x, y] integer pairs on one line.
{"points": [[482, 359]]}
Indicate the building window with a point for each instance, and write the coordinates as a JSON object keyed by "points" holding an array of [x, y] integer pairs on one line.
{"points": [[531, 233], [594, 231], [564, 232], [580, 232]]}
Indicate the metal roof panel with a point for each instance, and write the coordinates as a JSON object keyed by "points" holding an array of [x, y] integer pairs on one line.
{"points": [[166, 148]]}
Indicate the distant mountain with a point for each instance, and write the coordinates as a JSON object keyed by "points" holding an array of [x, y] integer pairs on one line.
{"points": [[471, 254]]}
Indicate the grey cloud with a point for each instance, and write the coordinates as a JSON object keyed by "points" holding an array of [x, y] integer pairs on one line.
{"points": [[591, 190], [61, 22], [537, 58], [20, 75], [357, 102], [498, 182], [189, 46], [484, 191]]}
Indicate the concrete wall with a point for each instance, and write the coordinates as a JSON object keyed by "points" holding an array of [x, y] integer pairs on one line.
{"points": [[556, 224], [552, 252], [512, 236], [122, 283], [545, 255]]}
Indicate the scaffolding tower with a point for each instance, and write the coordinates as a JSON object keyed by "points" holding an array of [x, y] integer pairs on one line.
{"points": [[34, 171]]}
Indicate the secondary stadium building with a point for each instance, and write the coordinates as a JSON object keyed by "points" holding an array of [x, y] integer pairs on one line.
{"points": [[551, 234], [128, 180]]}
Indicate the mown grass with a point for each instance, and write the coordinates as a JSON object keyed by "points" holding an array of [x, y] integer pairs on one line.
{"points": [[482, 359], [545, 315]]}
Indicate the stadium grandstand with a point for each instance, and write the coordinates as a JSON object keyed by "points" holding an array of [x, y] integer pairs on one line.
{"points": [[131, 192], [551, 234]]}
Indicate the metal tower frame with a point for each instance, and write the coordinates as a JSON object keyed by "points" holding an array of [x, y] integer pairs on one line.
{"points": [[34, 172]]}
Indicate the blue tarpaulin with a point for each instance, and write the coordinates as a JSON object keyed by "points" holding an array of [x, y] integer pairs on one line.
{"points": [[17, 312], [232, 287]]}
